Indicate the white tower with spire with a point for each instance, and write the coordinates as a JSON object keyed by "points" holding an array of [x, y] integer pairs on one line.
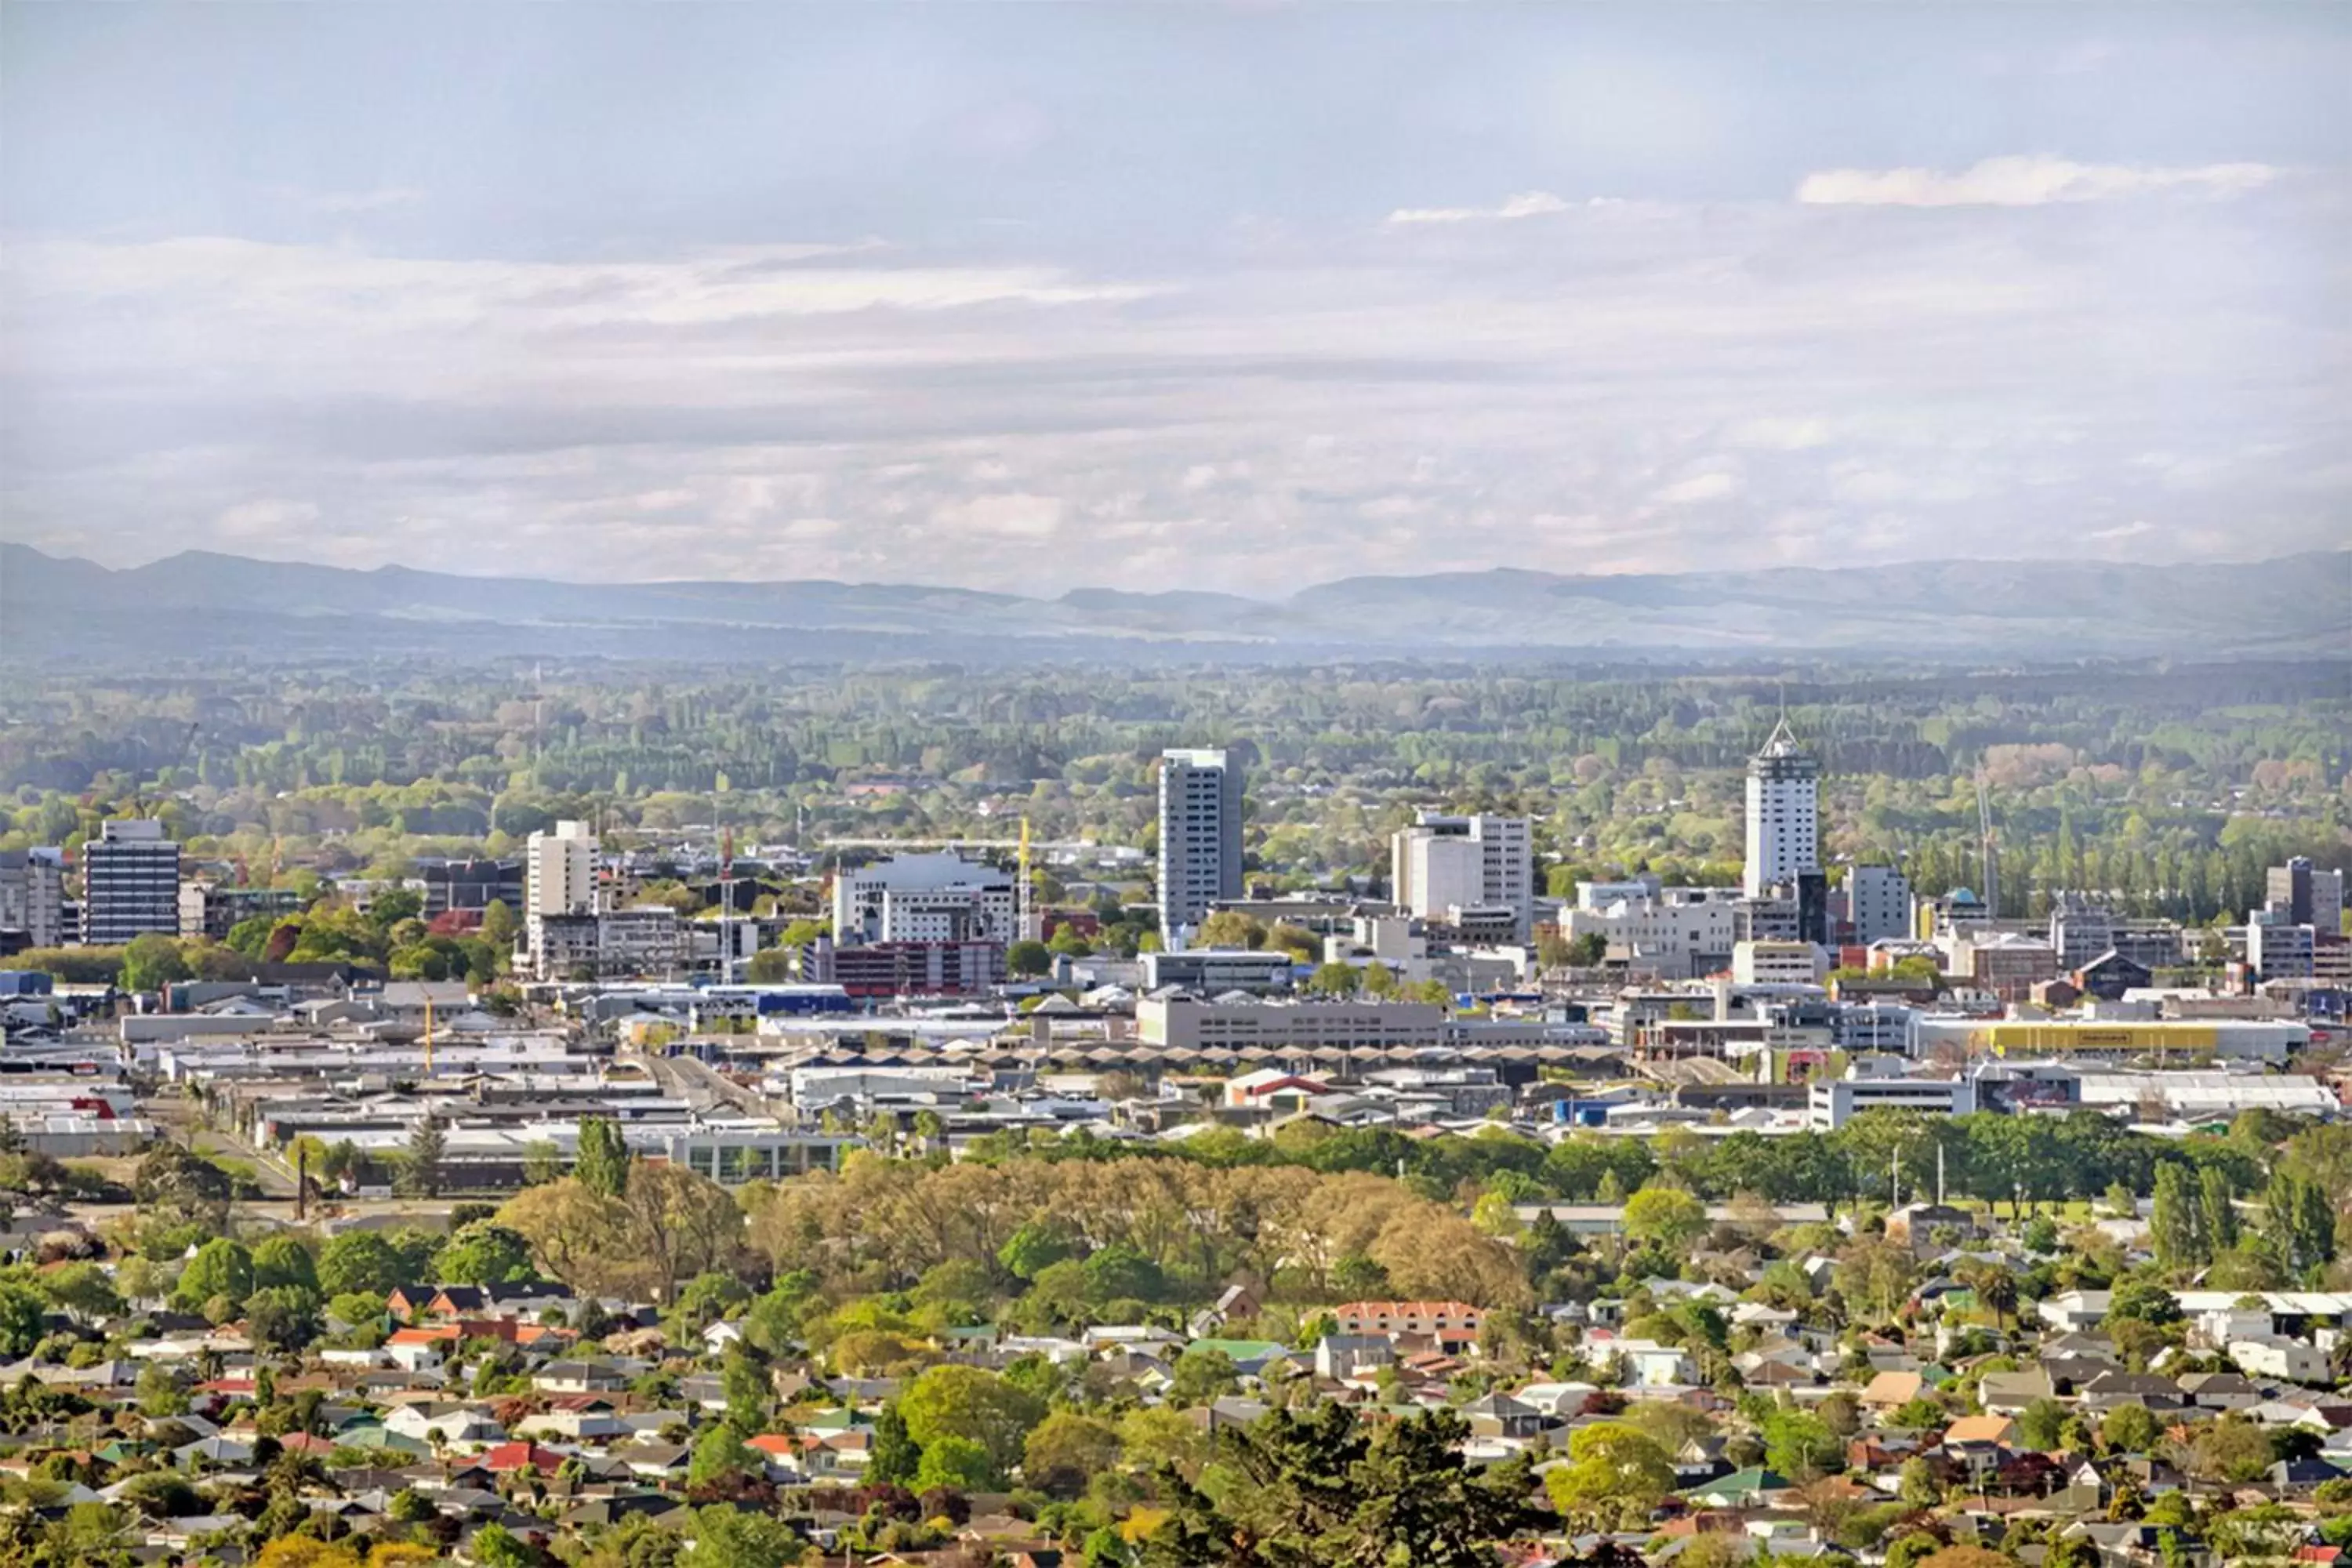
{"points": [[1784, 839]]}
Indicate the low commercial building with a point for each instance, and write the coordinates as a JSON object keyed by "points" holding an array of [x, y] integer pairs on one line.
{"points": [[1831, 1103], [1214, 971], [2184, 1041], [1189, 1023], [969, 967], [1778, 963]]}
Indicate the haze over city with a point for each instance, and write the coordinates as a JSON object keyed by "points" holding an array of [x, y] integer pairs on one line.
{"points": [[1231, 298]]}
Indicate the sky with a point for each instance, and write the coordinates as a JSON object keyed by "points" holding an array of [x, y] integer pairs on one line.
{"points": [[1246, 297]]}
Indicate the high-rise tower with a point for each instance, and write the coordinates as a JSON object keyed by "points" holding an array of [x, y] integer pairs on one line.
{"points": [[1783, 814], [1200, 837]]}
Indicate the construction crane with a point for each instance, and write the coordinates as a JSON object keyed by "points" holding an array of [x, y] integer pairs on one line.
{"points": [[1988, 862]]}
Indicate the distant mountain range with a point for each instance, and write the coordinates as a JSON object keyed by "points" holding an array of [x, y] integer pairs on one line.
{"points": [[200, 601]]}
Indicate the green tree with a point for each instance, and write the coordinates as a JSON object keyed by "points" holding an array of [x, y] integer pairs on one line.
{"points": [[893, 1456], [361, 1261], [602, 1165], [1330, 1492], [1028, 957], [1664, 1216], [722, 1456], [484, 1253], [421, 1171], [1034, 1248], [971, 1403], [151, 962], [1615, 1475], [1066, 1451], [221, 1268], [728, 1537], [2130, 1429], [284, 1260], [1800, 1445], [21, 1314], [958, 1464], [2041, 1426], [282, 1316]]}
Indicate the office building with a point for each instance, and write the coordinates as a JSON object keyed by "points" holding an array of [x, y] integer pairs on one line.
{"points": [[1214, 971], [946, 967], [560, 871], [924, 897], [33, 895], [1444, 864], [1200, 836], [130, 883], [1877, 903], [1783, 814], [1831, 1103], [2307, 896], [1777, 964], [472, 886], [2278, 950], [1675, 934]]}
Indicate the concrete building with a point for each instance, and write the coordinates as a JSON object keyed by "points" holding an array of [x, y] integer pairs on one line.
{"points": [[947, 967], [2003, 962], [1187, 1023], [2083, 927], [1442, 864], [1783, 813], [1778, 963], [2307, 895], [1833, 1103], [1676, 934], [209, 910], [2277, 950], [33, 895], [1214, 971], [560, 871], [924, 897], [651, 941], [1877, 903], [472, 884], [1200, 837], [130, 883]]}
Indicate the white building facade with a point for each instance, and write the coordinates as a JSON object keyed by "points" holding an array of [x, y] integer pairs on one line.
{"points": [[924, 897], [1444, 863], [1783, 814]]}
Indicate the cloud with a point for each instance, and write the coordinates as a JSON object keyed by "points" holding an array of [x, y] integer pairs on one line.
{"points": [[1578, 393], [1527, 204], [347, 203], [1700, 488], [2025, 181]]}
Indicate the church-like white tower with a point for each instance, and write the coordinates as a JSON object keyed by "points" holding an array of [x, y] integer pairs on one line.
{"points": [[1783, 813]]}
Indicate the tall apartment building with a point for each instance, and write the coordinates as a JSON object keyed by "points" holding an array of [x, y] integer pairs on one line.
{"points": [[1783, 814], [1443, 863], [924, 897], [130, 882], [2306, 895], [559, 868], [33, 895], [1877, 903], [1199, 835]]}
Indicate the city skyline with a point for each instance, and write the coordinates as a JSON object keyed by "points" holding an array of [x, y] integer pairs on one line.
{"points": [[1031, 300]]}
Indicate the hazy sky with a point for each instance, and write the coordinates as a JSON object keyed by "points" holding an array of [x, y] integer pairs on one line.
{"points": [[1176, 296]]}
